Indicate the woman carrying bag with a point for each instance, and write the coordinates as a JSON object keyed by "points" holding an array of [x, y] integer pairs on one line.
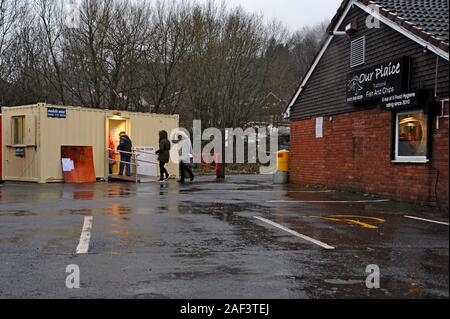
{"points": [[185, 151]]}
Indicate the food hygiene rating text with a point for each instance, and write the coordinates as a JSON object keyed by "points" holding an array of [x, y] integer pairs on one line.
{"points": [[227, 309]]}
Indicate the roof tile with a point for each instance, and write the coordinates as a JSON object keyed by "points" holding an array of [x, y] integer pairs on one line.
{"points": [[430, 15]]}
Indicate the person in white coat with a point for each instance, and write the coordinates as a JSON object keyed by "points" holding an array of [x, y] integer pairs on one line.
{"points": [[185, 151]]}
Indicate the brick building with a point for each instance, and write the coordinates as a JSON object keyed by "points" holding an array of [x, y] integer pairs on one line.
{"points": [[371, 114]]}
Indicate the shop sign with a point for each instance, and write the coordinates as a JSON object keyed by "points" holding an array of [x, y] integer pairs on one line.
{"points": [[381, 80], [401, 101], [415, 99]]}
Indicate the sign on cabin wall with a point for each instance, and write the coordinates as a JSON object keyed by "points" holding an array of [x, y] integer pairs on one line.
{"points": [[56, 113], [378, 81], [20, 152]]}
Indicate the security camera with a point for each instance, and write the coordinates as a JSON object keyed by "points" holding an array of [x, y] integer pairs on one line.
{"points": [[351, 28]]}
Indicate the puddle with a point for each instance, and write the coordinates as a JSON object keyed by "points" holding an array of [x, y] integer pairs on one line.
{"points": [[18, 213], [80, 212]]}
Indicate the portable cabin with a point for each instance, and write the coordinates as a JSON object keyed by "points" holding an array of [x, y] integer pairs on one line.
{"points": [[32, 137]]}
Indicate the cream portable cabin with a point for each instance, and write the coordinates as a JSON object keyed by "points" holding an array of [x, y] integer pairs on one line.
{"points": [[32, 137]]}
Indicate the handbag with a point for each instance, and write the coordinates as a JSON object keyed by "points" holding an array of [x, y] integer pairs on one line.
{"points": [[192, 163]]}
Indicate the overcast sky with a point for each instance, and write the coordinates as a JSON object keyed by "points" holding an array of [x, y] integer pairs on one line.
{"points": [[294, 13]]}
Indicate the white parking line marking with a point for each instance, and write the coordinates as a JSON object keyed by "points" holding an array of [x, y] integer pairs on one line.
{"points": [[328, 201], [427, 220], [85, 238], [292, 232]]}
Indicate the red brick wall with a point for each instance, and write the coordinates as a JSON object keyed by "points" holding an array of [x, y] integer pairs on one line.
{"points": [[355, 154]]}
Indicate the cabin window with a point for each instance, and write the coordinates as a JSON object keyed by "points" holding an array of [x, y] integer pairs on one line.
{"points": [[18, 129], [358, 52], [411, 137]]}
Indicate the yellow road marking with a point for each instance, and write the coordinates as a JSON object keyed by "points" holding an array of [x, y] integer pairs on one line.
{"points": [[362, 221]]}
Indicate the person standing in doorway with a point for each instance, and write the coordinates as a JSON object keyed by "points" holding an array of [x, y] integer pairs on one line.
{"points": [[111, 155], [125, 147], [185, 151], [163, 155]]}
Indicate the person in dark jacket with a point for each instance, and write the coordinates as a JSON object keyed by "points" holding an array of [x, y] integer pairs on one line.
{"points": [[125, 146], [163, 155]]}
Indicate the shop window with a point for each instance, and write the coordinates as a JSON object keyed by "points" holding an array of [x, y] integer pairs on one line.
{"points": [[411, 137], [319, 127], [18, 125]]}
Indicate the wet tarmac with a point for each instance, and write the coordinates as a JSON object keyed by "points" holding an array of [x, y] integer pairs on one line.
{"points": [[203, 240]]}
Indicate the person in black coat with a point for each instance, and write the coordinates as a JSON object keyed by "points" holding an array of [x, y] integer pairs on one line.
{"points": [[163, 155], [126, 146]]}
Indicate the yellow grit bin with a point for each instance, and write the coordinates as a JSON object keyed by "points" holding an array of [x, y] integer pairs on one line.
{"points": [[32, 137]]}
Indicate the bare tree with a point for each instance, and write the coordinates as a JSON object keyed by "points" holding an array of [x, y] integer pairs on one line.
{"points": [[126, 39], [170, 41], [304, 44], [11, 14], [87, 47], [228, 49], [50, 32], [204, 60], [224, 70]]}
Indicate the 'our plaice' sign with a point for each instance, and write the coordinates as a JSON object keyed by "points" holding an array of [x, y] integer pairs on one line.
{"points": [[381, 80], [56, 113]]}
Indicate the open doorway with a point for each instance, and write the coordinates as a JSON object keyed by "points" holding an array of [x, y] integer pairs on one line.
{"points": [[115, 125]]}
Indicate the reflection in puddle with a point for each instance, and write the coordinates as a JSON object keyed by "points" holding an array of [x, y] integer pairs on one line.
{"points": [[414, 290], [164, 187], [119, 190], [126, 236], [120, 215], [83, 195], [81, 212], [120, 232], [119, 212], [18, 213]]}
